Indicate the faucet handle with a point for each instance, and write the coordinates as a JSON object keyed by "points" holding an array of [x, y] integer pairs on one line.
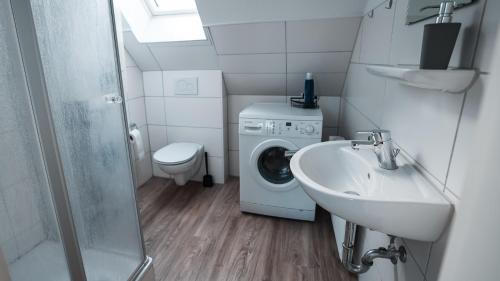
{"points": [[377, 135]]}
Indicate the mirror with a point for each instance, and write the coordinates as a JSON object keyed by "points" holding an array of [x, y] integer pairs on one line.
{"points": [[416, 14]]}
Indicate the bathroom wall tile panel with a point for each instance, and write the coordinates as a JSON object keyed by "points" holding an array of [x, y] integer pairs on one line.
{"points": [[408, 271], [353, 121], [210, 138], [153, 83], [407, 39], [29, 238], [6, 231], [16, 170], [134, 88], [144, 169], [329, 131], [330, 106], [216, 165], [325, 84], [234, 163], [377, 36], [209, 82], [9, 249], [185, 57], [136, 111], [194, 112], [234, 136], [129, 60], [249, 38], [318, 62], [140, 52], [464, 144], [145, 136], [423, 123], [21, 205], [323, 35], [436, 255], [155, 110], [157, 137], [488, 35], [420, 252], [253, 63], [237, 103], [366, 92], [255, 84], [356, 52]]}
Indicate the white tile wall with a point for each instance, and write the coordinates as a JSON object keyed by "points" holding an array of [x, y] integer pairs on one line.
{"points": [[153, 83], [254, 38], [465, 137], [321, 35], [140, 52], [136, 111], [237, 103], [194, 112], [134, 88], [157, 137], [253, 63], [435, 128], [185, 57], [255, 84], [318, 62], [155, 111], [488, 35]]}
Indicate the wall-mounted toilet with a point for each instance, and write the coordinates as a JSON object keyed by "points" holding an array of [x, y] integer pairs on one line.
{"points": [[181, 160]]}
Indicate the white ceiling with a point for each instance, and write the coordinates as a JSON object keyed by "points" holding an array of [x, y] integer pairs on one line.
{"points": [[264, 58]]}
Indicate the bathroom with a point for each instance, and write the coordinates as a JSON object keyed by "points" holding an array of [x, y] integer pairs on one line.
{"points": [[165, 140]]}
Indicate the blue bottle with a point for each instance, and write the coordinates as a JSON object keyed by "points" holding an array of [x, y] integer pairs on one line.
{"points": [[309, 91]]}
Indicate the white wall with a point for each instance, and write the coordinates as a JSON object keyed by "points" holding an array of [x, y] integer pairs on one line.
{"points": [[136, 113], [434, 128], [214, 12], [187, 118]]}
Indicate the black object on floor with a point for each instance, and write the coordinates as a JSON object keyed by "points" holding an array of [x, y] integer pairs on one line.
{"points": [[208, 181]]}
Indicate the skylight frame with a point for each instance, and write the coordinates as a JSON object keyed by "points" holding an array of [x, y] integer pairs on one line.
{"points": [[156, 11]]}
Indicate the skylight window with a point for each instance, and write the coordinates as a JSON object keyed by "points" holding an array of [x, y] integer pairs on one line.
{"points": [[172, 7]]}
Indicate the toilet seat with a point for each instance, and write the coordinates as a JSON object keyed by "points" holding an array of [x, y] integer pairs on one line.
{"points": [[176, 153]]}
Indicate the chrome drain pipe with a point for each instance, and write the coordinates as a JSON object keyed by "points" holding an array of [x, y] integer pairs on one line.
{"points": [[348, 248]]}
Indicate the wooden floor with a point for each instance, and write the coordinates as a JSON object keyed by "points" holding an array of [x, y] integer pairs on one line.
{"points": [[196, 233]]}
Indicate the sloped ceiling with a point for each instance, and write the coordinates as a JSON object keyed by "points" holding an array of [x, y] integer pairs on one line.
{"points": [[262, 58]]}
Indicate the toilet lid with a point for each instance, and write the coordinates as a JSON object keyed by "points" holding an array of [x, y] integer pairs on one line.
{"points": [[176, 153]]}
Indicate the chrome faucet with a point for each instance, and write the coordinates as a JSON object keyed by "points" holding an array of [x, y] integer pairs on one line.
{"points": [[381, 142]]}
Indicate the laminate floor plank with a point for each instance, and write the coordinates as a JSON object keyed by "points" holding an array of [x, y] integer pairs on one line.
{"points": [[198, 234]]}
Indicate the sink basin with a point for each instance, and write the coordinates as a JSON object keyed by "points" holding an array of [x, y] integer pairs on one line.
{"points": [[350, 184]]}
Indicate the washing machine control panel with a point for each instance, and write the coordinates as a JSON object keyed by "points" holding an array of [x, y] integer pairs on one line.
{"points": [[288, 128]]}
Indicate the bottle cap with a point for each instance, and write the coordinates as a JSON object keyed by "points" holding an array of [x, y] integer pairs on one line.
{"points": [[309, 76]]}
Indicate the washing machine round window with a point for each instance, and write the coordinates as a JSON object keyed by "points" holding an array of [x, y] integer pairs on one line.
{"points": [[269, 166], [273, 166]]}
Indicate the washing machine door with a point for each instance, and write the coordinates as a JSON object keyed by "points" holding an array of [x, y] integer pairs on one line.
{"points": [[270, 168]]}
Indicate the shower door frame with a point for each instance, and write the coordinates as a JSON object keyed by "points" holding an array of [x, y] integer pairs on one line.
{"points": [[35, 80]]}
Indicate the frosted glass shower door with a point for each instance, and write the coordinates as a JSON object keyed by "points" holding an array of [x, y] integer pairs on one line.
{"points": [[77, 48], [30, 241]]}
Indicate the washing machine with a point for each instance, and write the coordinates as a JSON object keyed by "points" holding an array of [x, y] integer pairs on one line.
{"points": [[267, 185]]}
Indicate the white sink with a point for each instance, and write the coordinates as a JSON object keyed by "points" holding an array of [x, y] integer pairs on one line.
{"points": [[350, 184]]}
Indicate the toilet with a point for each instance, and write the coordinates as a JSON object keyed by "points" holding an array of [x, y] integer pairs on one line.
{"points": [[181, 160]]}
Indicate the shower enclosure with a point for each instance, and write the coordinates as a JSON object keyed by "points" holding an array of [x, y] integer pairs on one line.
{"points": [[67, 198]]}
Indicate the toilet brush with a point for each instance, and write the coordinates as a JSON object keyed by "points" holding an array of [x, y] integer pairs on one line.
{"points": [[208, 181]]}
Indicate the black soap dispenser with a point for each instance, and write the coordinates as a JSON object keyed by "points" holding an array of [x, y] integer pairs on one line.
{"points": [[439, 38]]}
